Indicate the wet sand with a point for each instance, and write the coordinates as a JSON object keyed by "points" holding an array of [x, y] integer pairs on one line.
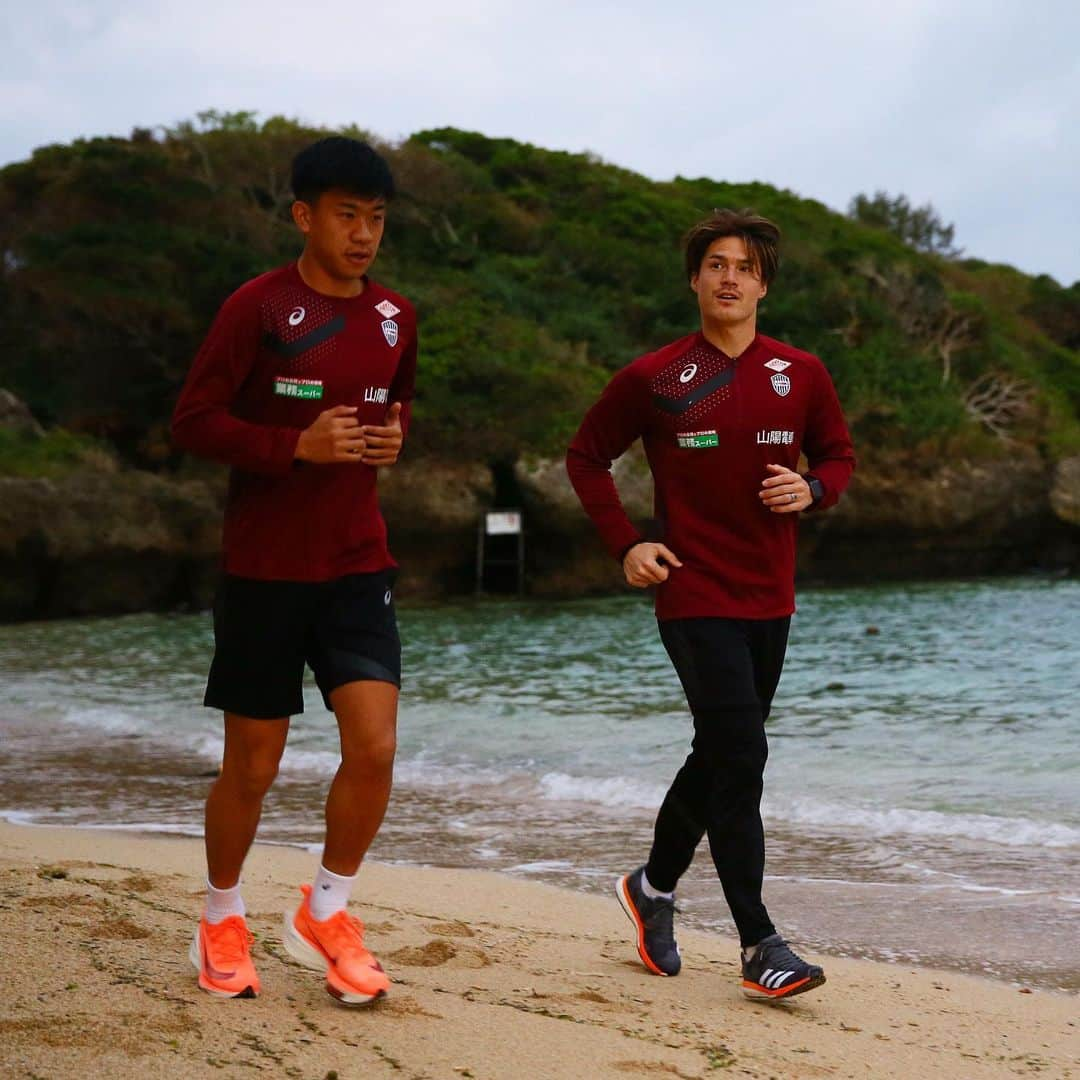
{"points": [[493, 977]]}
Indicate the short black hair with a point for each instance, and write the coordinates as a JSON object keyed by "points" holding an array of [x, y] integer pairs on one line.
{"points": [[340, 162]]}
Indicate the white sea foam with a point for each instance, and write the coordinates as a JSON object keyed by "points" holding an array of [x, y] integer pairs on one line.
{"points": [[1008, 831], [322, 762], [111, 721], [143, 827], [614, 791], [106, 719], [421, 772], [541, 866]]}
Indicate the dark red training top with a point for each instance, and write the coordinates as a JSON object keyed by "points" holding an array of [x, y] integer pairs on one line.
{"points": [[278, 354], [710, 425]]}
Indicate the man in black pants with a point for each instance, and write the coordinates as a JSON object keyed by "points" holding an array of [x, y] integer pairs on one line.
{"points": [[723, 415]]}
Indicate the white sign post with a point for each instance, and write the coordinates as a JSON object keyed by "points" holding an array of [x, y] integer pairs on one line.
{"points": [[500, 523]]}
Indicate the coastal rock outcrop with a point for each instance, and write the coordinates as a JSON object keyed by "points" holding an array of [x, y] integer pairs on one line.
{"points": [[1065, 492], [103, 539], [565, 556], [98, 540], [432, 511], [902, 518], [16, 417]]}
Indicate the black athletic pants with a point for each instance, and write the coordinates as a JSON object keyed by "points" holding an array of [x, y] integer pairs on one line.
{"points": [[729, 669]]}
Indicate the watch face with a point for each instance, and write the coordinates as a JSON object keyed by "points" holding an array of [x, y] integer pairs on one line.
{"points": [[817, 489]]}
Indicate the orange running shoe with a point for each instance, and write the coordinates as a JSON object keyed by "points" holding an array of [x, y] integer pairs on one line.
{"points": [[221, 954], [335, 946]]}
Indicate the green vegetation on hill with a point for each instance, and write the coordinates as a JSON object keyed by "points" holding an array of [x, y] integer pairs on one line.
{"points": [[52, 454], [536, 274]]}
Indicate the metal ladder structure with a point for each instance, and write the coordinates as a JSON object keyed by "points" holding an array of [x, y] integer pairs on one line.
{"points": [[500, 542]]}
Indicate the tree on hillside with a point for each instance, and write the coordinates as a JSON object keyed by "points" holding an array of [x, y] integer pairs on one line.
{"points": [[535, 273], [1056, 310], [919, 227]]}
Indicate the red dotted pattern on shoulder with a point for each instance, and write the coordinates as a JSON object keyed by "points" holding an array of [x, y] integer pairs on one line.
{"points": [[683, 376], [289, 314]]}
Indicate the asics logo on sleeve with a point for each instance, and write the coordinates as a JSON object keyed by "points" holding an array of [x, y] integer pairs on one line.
{"points": [[688, 373], [296, 317]]}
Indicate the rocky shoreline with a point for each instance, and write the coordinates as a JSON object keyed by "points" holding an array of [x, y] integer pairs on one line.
{"points": [[107, 540]]}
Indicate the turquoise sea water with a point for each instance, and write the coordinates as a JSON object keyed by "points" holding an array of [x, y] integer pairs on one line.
{"points": [[921, 795]]}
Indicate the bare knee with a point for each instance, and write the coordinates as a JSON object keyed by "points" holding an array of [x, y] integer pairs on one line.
{"points": [[371, 758], [250, 775]]}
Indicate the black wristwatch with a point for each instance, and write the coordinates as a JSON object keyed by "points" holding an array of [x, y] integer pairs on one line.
{"points": [[817, 488]]}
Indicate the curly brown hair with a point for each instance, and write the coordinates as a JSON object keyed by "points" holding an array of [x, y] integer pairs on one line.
{"points": [[761, 236]]}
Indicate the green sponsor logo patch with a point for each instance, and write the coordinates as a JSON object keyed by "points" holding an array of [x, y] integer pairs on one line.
{"points": [[308, 389], [698, 440]]}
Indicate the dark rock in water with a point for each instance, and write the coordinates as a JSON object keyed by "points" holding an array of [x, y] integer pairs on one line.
{"points": [[872, 631]]}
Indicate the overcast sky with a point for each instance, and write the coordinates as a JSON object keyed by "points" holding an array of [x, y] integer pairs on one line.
{"points": [[971, 105]]}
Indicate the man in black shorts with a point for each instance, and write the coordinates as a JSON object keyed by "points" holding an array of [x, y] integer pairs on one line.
{"points": [[723, 415], [303, 386]]}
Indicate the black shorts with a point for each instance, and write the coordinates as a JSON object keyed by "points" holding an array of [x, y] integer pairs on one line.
{"points": [[266, 631]]}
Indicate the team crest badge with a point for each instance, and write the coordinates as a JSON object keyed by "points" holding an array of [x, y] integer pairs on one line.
{"points": [[386, 309], [776, 364], [389, 329], [780, 383]]}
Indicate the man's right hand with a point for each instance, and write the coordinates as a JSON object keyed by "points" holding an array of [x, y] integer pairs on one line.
{"points": [[334, 437], [642, 565]]}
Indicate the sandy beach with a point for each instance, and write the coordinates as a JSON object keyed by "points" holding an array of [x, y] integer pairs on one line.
{"points": [[493, 977]]}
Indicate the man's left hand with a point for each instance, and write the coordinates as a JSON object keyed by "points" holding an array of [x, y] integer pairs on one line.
{"points": [[383, 443], [785, 492]]}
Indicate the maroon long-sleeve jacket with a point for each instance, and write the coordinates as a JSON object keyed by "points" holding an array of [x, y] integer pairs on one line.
{"points": [[710, 425], [278, 354]]}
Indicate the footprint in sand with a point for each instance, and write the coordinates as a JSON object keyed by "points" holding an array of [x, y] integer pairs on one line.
{"points": [[439, 951], [118, 930], [452, 929]]}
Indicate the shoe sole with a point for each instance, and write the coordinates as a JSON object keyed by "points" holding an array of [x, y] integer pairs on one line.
{"points": [[627, 905], [756, 992], [195, 956], [303, 952]]}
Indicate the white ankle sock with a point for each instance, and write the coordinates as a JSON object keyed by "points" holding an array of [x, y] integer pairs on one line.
{"points": [[749, 951], [329, 893], [651, 893], [221, 903]]}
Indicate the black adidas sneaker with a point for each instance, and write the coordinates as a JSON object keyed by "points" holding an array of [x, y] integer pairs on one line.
{"points": [[774, 971], [654, 921]]}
